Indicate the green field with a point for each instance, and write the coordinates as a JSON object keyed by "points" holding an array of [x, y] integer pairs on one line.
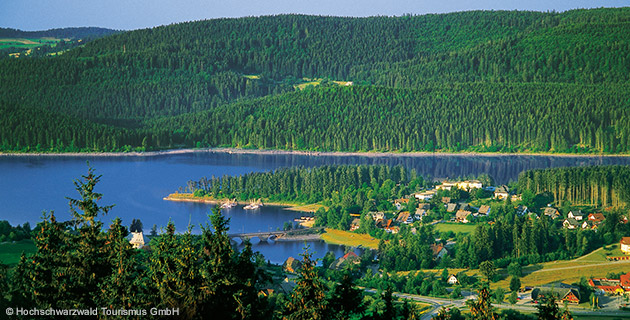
{"points": [[27, 43], [10, 252], [455, 227]]}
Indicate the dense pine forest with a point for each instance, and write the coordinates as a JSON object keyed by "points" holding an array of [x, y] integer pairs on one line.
{"points": [[469, 81], [596, 185]]}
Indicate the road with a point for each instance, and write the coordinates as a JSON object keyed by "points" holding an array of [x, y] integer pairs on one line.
{"points": [[438, 303]]}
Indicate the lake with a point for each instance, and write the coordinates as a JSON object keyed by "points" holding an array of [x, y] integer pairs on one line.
{"points": [[138, 184]]}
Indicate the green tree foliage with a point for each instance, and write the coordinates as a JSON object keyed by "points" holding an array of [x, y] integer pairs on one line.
{"points": [[515, 283], [593, 185], [85, 267], [482, 309], [345, 299], [553, 82], [488, 270], [308, 298]]}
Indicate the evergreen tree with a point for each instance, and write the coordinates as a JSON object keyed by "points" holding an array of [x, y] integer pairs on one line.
{"points": [[548, 308], [123, 288], [482, 309], [345, 300], [90, 265], [308, 298]]}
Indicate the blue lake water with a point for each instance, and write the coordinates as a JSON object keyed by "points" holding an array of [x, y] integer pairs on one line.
{"points": [[137, 185]]}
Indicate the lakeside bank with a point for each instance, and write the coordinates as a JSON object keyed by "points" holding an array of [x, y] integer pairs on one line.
{"points": [[308, 153], [188, 197]]}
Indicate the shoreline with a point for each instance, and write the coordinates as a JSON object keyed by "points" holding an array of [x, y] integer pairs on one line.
{"points": [[304, 153], [187, 197]]}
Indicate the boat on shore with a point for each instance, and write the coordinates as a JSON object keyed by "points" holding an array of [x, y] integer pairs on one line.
{"points": [[228, 204], [253, 205]]}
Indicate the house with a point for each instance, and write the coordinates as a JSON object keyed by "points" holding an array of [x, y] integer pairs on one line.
{"points": [[383, 223], [451, 207], [424, 206], [470, 184], [551, 212], [462, 216], [625, 245], [501, 192], [609, 286], [570, 223], [612, 286], [377, 215], [404, 217], [463, 206], [596, 218], [577, 215], [446, 200], [446, 185], [438, 251], [521, 210], [347, 259], [484, 210], [356, 223], [138, 240], [452, 280], [400, 203], [562, 291], [291, 265], [427, 195], [420, 213]]}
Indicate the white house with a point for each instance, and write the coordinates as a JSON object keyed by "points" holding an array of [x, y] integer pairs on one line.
{"points": [[577, 215], [452, 279], [137, 240], [427, 195], [625, 245]]}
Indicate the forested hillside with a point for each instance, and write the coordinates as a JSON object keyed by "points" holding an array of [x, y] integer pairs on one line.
{"points": [[481, 80], [596, 185]]}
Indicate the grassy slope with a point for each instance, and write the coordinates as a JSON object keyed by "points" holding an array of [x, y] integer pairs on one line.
{"points": [[10, 252], [349, 239]]}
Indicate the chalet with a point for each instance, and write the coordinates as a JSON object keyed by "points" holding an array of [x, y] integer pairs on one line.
{"points": [[137, 240], [484, 210], [347, 259], [501, 193], [427, 195], [446, 200], [625, 245], [377, 215], [452, 280], [446, 185], [470, 184], [404, 217], [551, 212], [451, 207], [383, 223], [596, 218], [291, 265], [420, 213], [612, 286], [438, 251], [562, 291], [463, 206], [609, 286], [586, 224], [577, 215], [424, 206], [356, 223], [570, 223], [521, 210], [462, 216]]}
